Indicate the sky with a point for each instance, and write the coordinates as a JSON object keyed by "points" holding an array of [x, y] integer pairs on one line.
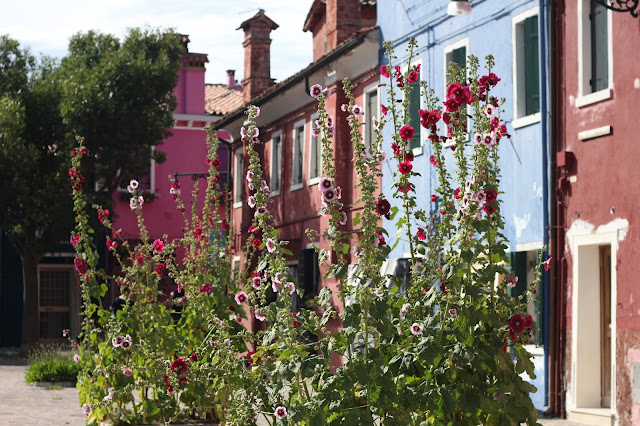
{"points": [[46, 26]]}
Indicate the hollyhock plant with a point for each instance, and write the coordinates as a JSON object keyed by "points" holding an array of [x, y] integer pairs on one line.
{"points": [[281, 412], [406, 132], [158, 246]]}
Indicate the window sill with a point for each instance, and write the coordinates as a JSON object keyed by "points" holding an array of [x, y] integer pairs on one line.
{"points": [[296, 187], [417, 150], [592, 98], [526, 121], [274, 193], [237, 204], [313, 181]]}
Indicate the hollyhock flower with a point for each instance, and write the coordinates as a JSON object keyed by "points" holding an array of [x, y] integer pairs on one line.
{"points": [[488, 139], [516, 323], [315, 91], [528, 321], [343, 219], [86, 408], [477, 138], [338, 192], [433, 160], [193, 357], [281, 412], [452, 105], [256, 243], [127, 371], [291, 286], [383, 109], [490, 195], [404, 310], [259, 316], [274, 285], [295, 322], [378, 239], [126, 344], [459, 93], [251, 186], [76, 358], [413, 76], [408, 156], [167, 383], [271, 245], [356, 110], [158, 246], [489, 209], [103, 214], [75, 239], [249, 176], [416, 329], [383, 157], [328, 196], [453, 313], [406, 132], [80, 265], [117, 341], [261, 210], [315, 131], [456, 193], [325, 184], [205, 288], [251, 202], [511, 281], [547, 264], [256, 283], [383, 207], [405, 167], [489, 111], [404, 189], [134, 184], [343, 107], [160, 268], [179, 366], [254, 229], [385, 71], [112, 245], [421, 235], [216, 163], [419, 267], [277, 278], [241, 298]]}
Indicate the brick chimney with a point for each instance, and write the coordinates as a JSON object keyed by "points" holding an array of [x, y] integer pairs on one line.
{"points": [[231, 80], [257, 56], [343, 19]]}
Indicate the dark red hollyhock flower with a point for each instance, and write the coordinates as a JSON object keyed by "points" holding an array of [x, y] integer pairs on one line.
{"points": [[381, 240], [413, 76], [517, 323], [251, 359], [216, 162], [434, 198], [385, 71], [383, 207], [254, 229], [459, 93], [405, 167], [179, 366], [451, 105], [429, 118], [491, 195], [160, 268], [406, 188], [217, 179], [396, 148], [193, 357], [528, 321], [489, 209], [175, 185], [408, 156], [446, 118], [421, 235], [257, 242], [406, 132], [383, 109], [167, 383], [81, 265], [295, 323], [456, 193], [103, 214]]}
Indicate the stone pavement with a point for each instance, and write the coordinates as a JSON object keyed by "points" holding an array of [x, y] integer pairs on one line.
{"points": [[22, 404]]}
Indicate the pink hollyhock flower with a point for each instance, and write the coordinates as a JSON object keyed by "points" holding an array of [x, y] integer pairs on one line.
{"points": [[158, 246], [117, 341], [86, 408], [112, 245], [547, 264], [262, 210], [477, 138], [405, 167], [325, 184], [433, 160], [343, 219], [257, 283], [385, 71], [271, 245], [126, 344], [383, 109], [406, 132], [489, 111], [315, 91], [421, 235], [404, 310], [416, 329], [80, 265], [511, 281], [291, 286], [251, 202], [356, 110], [127, 371], [274, 286], [134, 184], [103, 214], [328, 196], [453, 313], [249, 176], [277, 278], [488, 139], [378, 239], [75, 239], [259, 316], [205, 288], [76, 358], [281, 412], [241, 298], [419, 267]]}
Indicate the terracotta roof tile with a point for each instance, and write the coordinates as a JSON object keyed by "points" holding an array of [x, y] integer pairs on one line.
{"points": [[219, 99]]}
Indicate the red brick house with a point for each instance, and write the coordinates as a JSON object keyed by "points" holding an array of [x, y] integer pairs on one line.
{"points": [[598, 215], [345, 44]]}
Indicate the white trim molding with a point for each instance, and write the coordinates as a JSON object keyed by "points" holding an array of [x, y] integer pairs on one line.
{"points": [[584, 55], [518, 70], [595, 133]]}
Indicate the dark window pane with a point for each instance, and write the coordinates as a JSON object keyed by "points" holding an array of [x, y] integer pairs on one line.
{"points": [[599, 47], [531, 66]]}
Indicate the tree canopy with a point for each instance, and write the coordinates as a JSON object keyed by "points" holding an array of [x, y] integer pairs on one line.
{"points": [[116, 94]]}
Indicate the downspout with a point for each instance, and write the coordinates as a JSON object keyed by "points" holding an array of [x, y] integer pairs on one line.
{"points": [[544, 123]]}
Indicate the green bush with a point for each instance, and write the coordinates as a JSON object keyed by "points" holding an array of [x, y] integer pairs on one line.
{"points": [[48, 364]]}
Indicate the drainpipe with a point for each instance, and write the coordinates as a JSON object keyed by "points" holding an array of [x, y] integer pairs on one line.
{"points": [[543, 25]]}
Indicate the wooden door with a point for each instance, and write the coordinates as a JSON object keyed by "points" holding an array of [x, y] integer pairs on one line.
{"points": [[605, 326]]}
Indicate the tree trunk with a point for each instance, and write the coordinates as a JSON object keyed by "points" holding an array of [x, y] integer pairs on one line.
{"points": [[30, 320]]}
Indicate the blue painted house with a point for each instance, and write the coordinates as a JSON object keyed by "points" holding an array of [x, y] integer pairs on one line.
{"points": [[514, 33]]}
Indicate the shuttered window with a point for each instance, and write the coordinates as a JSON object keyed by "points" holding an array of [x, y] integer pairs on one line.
{"points": [[308, 273], [414, 115], [531, 65], [599, 47]]}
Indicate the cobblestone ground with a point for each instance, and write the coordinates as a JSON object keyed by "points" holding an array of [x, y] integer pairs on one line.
{"points": [[22, 404]]}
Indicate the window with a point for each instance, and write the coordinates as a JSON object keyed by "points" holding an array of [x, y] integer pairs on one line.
{"points": [[371, 111], [414, 115], [276, 163], [456, 53], [594, 53], [297, 161], [315, 154], [238, 183], [146, 181], [526, 73]]}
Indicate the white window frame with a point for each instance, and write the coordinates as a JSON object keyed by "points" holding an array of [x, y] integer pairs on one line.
{"points": [[238, 183], [272, 163], [296, 126], [517, 46], [419, 149], [369, 129], [314, 180], [446, 51], [585, 97]]}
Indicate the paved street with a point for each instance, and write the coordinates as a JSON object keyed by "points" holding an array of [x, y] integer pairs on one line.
{"points": [[21, 404]]}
